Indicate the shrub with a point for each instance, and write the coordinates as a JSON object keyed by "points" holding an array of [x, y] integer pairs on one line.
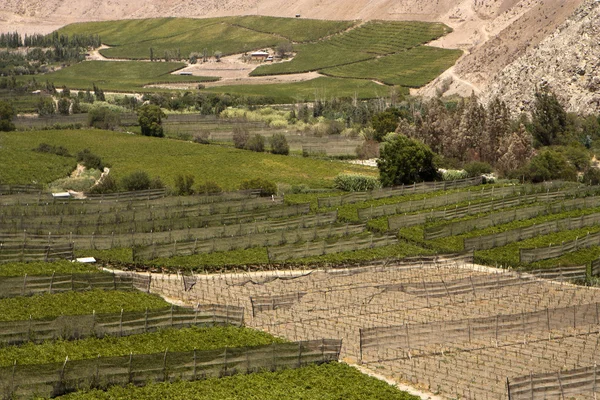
{"points": [[578, 156], [256, 143], [209, 187], [45, 106], [356, 183], [64, 106], [549, 165], [7, 113], [478, 168], [202, 137], [279, 144], [90, 160], [591, 176], [454, 174], [368, 149], [267, 188], [184, 184], [108, 184], [138, 180], [104, 118], [48, 148], [240, 136]]}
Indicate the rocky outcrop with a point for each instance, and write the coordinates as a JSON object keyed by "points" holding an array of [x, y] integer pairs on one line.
{"points": [[567, 61]]}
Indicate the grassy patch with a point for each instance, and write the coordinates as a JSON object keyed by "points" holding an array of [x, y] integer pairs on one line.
{"points": [[119, 76], [44, 268], [174, 340], [324, 382], [319, 88], [158, 157], [77, 303], [413, 68]]}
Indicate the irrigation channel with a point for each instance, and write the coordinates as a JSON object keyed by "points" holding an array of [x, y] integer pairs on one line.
{"points": [[442, 324]]}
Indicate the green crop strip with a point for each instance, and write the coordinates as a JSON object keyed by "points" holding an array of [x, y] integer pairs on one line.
{"points": [[44, 268], [331, 381], [77, 303], [188, 339]]}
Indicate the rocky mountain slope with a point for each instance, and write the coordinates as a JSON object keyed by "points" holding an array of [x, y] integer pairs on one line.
{"points": [[567, 61]]}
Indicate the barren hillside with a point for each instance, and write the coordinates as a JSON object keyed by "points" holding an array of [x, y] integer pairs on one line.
{"points": [[492, 33]]}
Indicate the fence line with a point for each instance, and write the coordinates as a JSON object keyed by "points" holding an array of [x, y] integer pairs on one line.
{"points": [[561, 273], [423, 187], [490, 241], [103, 242], [187, 248], [49, 380], [55, 283], [323, 247], [13, 189], [35, 252], [559, 384], [484, 331], [144, 225], [401, 221], [544, 253], [118, 324]]}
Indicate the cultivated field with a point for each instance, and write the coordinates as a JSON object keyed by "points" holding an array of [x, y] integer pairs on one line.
{"points": [[457, 329]]}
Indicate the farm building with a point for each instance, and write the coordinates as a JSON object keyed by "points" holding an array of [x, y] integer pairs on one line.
{"points": [[259, 55]]}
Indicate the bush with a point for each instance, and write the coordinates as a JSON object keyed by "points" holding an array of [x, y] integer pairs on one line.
{"points": [[108, 184], [202, 137], [45, 106], [279, 144], [138, 180], [150, 120], [104, 118], [549, 165], [578, 156], [406, 161], [209, 187], [367, 150], [591, 176], [454, 174], [267, 188], [240, 137], [256, 143], [50, 149], [356, 183], [478, 168], [90, 160], [184, 184], [7, 113]]}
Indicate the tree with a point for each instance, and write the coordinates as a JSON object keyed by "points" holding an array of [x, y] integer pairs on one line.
{"points": [[279, 144], [45, 106], [549, 118], [64, 105], [385, 122], [7, 113], [184, 184], [405, 161], [99, 93], [150, 120], [515, 150], [469, 132], [284, 48], [240, 136], [497, 127], [256, 143], [104, 118], [549, 165]]}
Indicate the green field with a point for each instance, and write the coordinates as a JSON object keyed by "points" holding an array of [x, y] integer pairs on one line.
{"points": [[333, 381], [188, 339], [120, 76], [413, 68], [158, 157], [368, 41], [77, 303], [319, 88], [134, 38], [44, 268]]}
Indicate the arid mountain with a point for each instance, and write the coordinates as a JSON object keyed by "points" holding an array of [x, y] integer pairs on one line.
{"points": [[494, 34]]}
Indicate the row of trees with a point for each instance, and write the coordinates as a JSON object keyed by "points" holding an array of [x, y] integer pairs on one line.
{"points": [[15, 40]]}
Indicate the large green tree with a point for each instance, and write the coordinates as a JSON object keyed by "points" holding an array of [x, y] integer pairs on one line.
{"points": [[150, 120], [549, 118], [7, 112], [405, 161]]}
